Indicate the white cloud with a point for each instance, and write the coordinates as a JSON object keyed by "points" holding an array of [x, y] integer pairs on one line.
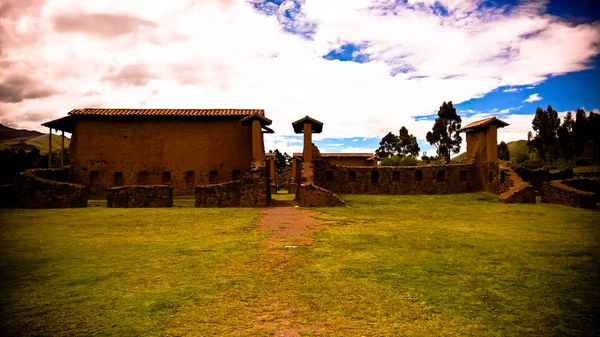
{"points": [[352, 149], [511, 90], [213, 53], [533, 98]]}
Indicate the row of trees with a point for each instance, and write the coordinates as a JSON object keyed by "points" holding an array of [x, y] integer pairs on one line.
{"points": [[15, 161], [571, 139], [443, 136]]}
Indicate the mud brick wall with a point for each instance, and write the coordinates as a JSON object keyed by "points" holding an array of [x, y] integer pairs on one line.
{"points": [[557, 192], [33, 191], [253, 190], [310, 195], [396, 179], [182, 153], [136, 196]]}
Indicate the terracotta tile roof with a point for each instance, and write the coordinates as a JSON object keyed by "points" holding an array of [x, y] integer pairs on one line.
{"points": [[484, 122], [341, 155], [167, 112], [317, 127]]}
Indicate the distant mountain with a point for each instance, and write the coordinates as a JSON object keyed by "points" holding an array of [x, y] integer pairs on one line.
{"points": [[517, 148], [34, 138], [10, 133]]}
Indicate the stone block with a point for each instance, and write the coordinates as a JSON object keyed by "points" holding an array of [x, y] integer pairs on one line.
{"points": [[136, 196]]}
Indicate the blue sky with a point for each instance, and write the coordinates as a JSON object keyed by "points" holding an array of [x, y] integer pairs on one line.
{"points": [[363, 68]]}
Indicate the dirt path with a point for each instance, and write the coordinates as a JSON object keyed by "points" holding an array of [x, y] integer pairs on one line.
{"points": [[289, 226]]}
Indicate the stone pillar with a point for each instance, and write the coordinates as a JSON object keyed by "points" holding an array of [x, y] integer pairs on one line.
{"points": [[49, 147], [293, 171], [492, 143], [308, 143], [272, 167], [62, 149], [258, 153]]}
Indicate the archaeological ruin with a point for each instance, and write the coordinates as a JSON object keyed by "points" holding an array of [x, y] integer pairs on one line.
{"points": [[145, 157]]}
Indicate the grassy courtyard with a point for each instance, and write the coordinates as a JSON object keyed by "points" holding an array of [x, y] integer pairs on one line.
{"points": [[462, 265]]}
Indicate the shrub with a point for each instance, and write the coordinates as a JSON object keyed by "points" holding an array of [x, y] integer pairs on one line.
{"points": [[397, 161]]}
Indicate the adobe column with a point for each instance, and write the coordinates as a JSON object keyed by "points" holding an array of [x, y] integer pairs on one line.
{"points": [[257, 121], [307, 126], [492, 143]]}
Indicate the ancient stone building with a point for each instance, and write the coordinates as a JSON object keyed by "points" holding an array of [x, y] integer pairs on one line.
{"points": [[316, 180], [177, 147]]}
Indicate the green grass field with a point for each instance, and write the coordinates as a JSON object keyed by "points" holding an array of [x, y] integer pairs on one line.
{"points": [[454, 265]]}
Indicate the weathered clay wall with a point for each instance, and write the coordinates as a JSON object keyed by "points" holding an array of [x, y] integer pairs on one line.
{"points": [[135, 196], [177, 152], [476, 147], [252, 190], [557, 192], [310, 195], [31, 190], [396, 179]]}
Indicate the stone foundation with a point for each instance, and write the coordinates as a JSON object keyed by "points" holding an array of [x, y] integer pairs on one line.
{"points": [[253, 190], [310, 195], [443, 179], [558, 192], [136, 196], [33, 189], [293, 189]]}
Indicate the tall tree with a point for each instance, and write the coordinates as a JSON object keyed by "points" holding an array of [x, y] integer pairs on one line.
{"points": [[503, 152], [443, 134], [566, 139], [387, 146], [545, 123], [407, 144]]}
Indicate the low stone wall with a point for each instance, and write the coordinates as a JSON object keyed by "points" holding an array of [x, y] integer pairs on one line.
{"points": [[558, 192], [293, 189], [136, 196], [310, 195], [62, 174], [253, 190], [429, 179], [586, 185], [519, 191], [33, 191], [505, 182]]}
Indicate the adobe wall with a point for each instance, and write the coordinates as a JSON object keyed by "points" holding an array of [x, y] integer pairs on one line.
{"points": [[253, 190], [396, 179], [188, 149], [136, 196], [558, 192], [476, 147], [33, 189]]}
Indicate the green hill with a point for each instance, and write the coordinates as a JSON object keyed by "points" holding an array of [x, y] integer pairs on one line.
{"points": [[518, 150], [40, 142], [7, 133]]}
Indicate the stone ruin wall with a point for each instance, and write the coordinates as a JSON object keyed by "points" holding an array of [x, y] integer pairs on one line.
{"points": [[583, 193], [180, 153], [48, 188], [442, 179], [253, 190], [136, 196], [431, 179]]}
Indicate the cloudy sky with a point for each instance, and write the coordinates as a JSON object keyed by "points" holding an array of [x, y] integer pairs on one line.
{"points": [[363, 67]]}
